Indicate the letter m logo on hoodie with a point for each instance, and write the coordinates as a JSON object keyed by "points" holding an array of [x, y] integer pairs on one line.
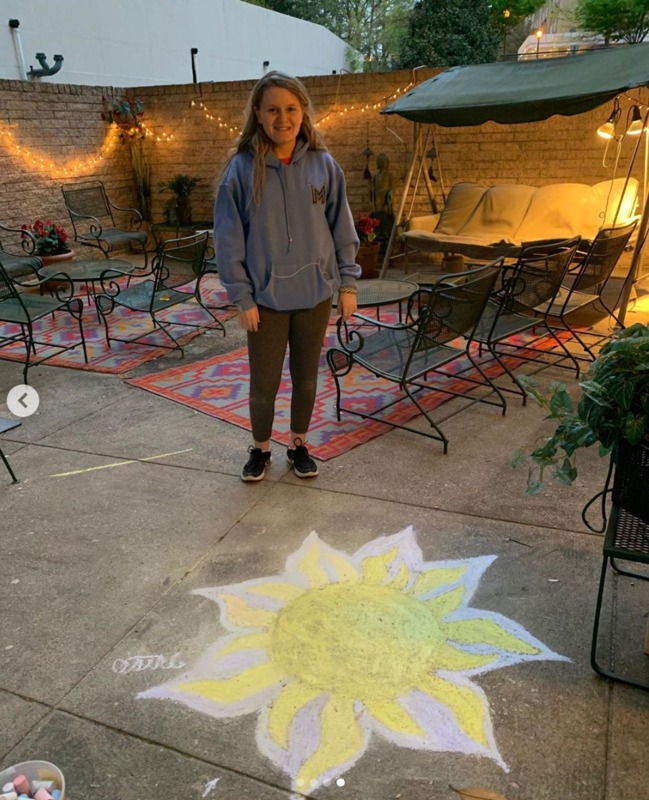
{"points": [[318, 195]]}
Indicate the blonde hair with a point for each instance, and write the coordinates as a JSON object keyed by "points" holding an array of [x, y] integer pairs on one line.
{"points": [[254, 139]]}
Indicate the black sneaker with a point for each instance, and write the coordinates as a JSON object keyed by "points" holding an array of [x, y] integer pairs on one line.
{"points": [[255, 467], [303, 465]]}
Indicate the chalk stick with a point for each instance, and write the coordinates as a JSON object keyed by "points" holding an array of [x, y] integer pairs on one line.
{"points": [[43, 794], [56, 794], [8, 787], [24, 797], [21, 784], [8, 796], [36, 785]]}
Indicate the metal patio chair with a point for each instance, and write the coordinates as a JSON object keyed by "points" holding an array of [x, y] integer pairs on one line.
{"points": [[8, 425], [585, 283], [91, 214], [626, 541], [21, 310], [524, 294], [442, 320], [175, 278], [20, 261]]}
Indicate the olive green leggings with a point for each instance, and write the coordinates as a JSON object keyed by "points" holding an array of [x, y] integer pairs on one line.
{"points": [[303, 331]]}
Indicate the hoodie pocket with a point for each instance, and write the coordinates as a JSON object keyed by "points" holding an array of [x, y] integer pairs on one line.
{"points": [[294, 284]]}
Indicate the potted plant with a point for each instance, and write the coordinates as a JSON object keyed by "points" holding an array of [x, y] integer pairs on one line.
{"points": [[178, 209], [368, 252], [50, 241], [612, 410]]}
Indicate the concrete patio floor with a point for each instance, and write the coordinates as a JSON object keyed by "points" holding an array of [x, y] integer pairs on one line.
{"points": [[127, 503]]}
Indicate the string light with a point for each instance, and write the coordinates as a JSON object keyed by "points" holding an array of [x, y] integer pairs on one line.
{"points": [[367, 107], [52, 167], [222, 123]]}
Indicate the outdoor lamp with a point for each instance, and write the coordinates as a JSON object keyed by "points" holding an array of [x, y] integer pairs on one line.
{"points": [[635, 126], [607, 130]]}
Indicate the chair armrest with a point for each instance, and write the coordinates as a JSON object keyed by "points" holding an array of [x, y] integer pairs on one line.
{"points": [[28, 240], [136, 216], [426, 223], [96, 229]]}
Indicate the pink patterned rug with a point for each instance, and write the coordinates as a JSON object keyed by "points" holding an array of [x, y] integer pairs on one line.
{"points": [[218, 386], [120, 356]]}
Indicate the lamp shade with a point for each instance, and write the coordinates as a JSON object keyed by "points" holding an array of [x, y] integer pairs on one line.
{"points": [[635, 126], [606, 130]]}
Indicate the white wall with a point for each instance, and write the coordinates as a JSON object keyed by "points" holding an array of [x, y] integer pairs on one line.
{"points": [[148, 42]]}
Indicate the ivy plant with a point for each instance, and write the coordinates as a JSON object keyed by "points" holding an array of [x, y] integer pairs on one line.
{"points": [[613, 404]]}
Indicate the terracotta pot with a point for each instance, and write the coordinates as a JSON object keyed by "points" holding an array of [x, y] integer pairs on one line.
{"points": [[59, 257], [51, 286], [368, 259]]}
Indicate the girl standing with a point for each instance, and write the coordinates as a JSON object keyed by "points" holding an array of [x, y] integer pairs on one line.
{"points": [[285, 242]]}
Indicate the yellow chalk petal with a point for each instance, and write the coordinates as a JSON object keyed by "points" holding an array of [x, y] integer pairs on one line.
{"points": [[486, 631], [345, 570], [284, 708], [244, 615], [443, 604], [448, 657], [468, 706], [252, 641], [394, 717], [230, 690], [400, 580], [434, 578], [340, 740], [310, 567], [277, 590], [376, 568]]}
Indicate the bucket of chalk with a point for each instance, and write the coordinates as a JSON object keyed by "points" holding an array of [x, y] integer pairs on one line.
{"points": [[40, 780]]}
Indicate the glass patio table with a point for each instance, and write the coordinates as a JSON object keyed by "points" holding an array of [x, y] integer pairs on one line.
{"points": [[375, 293], [88, 271]]}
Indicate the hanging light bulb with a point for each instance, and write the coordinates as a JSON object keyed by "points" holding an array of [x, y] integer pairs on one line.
{"points": [[635, 126], [607, 129]]}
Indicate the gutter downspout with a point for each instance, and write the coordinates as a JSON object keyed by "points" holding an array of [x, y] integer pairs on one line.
{"points": [[14, 24]]}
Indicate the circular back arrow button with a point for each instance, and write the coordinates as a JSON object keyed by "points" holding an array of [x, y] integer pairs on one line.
{"points": [[23, 400]]}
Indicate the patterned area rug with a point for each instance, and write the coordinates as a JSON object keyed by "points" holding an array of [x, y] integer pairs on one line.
{"points": [[219, 387], [120, 356]]}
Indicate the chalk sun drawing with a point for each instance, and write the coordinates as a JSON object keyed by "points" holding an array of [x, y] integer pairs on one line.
{"points": [[341, 647]]}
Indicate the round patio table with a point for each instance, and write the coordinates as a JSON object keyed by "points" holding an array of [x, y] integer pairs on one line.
{"points": [[88, 271], [375, 293]]}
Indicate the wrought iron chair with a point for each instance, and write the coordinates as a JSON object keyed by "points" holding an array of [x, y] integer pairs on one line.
{"points": [[19, 264], [585, 283], [21, 310], [442, 320], [521, 301], [8, 425], [626, 540], [91, 214], [174, 269]]}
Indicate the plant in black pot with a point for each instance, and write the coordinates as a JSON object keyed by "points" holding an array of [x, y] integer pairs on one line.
{"points": [[178, 209], [611, 411]]}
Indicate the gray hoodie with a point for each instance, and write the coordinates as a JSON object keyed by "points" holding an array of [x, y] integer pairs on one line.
{"points": [[298, 246]]}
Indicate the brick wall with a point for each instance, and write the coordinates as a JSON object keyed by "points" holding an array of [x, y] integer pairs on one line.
{"points": [[62, 124]]}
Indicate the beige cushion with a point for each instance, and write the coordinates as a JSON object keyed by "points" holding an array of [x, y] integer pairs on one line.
{"points": [[509, 214], [499, 212], [460, 204]]}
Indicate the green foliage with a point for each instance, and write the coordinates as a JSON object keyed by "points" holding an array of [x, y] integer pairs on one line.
{"points": [[374, 28], [449, 32], [614, 404], [178, 209], [615, 20]]}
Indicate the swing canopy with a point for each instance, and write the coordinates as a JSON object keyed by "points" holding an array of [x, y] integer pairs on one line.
{"points": [[525, 91]]}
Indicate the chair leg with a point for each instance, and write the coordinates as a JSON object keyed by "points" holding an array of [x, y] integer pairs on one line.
{"points": [[597, 667], [14, 479]]}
